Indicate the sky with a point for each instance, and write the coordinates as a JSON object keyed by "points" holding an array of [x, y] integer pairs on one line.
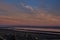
{"points": [[30, 12]]}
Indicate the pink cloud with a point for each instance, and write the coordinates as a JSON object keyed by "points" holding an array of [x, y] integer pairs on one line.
{"points": [[29, 20]]}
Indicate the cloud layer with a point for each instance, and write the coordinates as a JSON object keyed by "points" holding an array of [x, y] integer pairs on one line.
{"points": [[12, 15]]}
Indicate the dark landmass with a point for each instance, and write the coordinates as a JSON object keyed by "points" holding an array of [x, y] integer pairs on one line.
{"points": [[26, 26], [9, 34]]}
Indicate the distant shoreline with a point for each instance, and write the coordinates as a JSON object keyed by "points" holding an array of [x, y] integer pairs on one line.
{"points": [[12, 26]]}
